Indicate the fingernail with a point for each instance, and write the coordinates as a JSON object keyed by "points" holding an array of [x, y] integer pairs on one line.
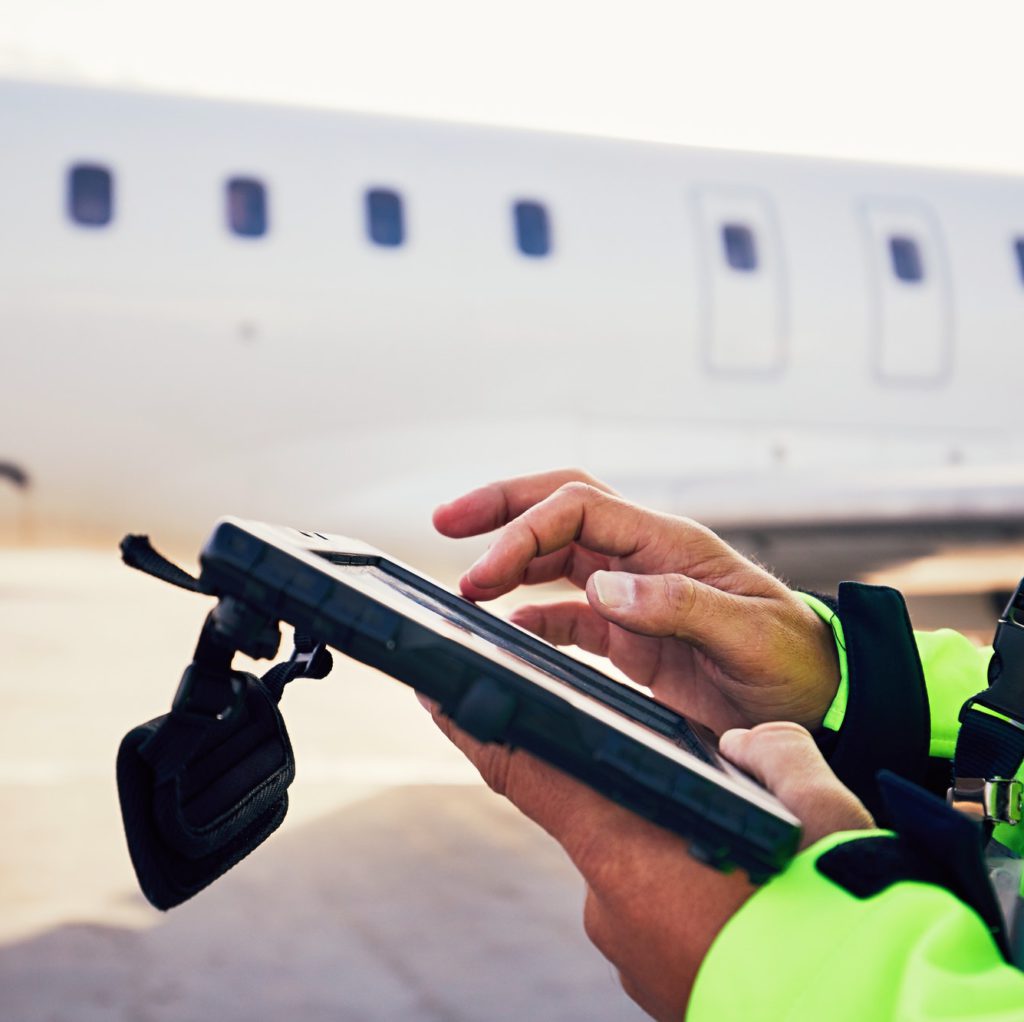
{"points": [[428, 704], [614, 588]]}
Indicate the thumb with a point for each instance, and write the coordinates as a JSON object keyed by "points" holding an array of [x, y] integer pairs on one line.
{"points": [[667, 606], [783, 757]]}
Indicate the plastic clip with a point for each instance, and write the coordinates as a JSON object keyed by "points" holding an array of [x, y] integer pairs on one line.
{"points": [[204, 694]]}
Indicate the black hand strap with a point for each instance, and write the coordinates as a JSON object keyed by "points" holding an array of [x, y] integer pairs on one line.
{"points": [[204, 785]]}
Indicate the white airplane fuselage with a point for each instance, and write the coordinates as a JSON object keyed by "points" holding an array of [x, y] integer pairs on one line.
{"points": [[159, 370]]}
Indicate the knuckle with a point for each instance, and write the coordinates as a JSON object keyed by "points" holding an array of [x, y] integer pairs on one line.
{"points": [[695, 532], [630, 987], [577, 488], [495, 765], [443, 722], [595, 923], [780, 729], [679, 595], [530, 539], [580, 475], [596, 855], [591, 858]]}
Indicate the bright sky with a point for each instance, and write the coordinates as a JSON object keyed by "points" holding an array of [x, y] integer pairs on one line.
{"points": [[918, 81]]}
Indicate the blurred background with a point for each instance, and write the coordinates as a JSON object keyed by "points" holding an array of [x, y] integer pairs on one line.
{"points": [[330, 264]]}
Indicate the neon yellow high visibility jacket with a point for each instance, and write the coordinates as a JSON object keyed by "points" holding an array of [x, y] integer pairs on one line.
{"points": [[805, 948]]}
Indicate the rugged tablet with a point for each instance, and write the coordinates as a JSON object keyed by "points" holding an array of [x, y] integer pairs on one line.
{"points": [[502, 684]]}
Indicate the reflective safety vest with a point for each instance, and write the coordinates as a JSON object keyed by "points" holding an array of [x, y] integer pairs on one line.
{"points": [[868, 925]]}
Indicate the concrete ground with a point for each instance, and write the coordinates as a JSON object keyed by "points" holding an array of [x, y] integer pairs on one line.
{"points": [[397, 888]]}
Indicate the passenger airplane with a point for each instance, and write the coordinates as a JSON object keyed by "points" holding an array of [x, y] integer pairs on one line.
{"points": [[337, 320]]}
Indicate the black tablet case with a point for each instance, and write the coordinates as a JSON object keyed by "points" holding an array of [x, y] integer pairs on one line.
{"points": [[494, 703]]}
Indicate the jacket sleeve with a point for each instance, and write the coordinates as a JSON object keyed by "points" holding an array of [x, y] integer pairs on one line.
{"points": [[899, 697], [954, 670], [804, 947], [813, 944]]}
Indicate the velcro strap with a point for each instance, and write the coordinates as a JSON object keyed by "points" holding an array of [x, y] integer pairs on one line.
{"points": [[198, 794]]}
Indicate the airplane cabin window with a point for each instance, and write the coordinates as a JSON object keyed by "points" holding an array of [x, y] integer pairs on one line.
{"points": [[90, 195], [1018, 247], [533, 232], [740, 247], [385, 220], [906, 259], [247, 207]]}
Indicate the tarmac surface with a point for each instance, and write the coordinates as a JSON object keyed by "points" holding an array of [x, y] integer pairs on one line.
{"points": [[398, 886]]}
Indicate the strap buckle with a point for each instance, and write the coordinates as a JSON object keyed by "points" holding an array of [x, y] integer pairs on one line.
{"points": [[1000, 800], [309, 659]]}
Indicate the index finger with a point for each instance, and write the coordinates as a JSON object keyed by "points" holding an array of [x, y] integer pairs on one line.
{"points": [[593, 519], [492, 506]]}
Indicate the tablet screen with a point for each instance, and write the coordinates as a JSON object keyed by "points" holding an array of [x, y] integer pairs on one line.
{"points": [[388, 579], [531, 657]]}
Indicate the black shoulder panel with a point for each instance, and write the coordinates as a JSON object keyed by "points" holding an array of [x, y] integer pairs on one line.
{"points": [[869, 865], [934, 844]]}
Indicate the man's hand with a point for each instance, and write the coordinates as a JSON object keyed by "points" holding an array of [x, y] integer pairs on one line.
{"points": [[673, 606], [651, 909], [783, 757]]}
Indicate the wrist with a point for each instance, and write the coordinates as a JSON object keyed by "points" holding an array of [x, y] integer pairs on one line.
{"points": [[832, 717]]}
